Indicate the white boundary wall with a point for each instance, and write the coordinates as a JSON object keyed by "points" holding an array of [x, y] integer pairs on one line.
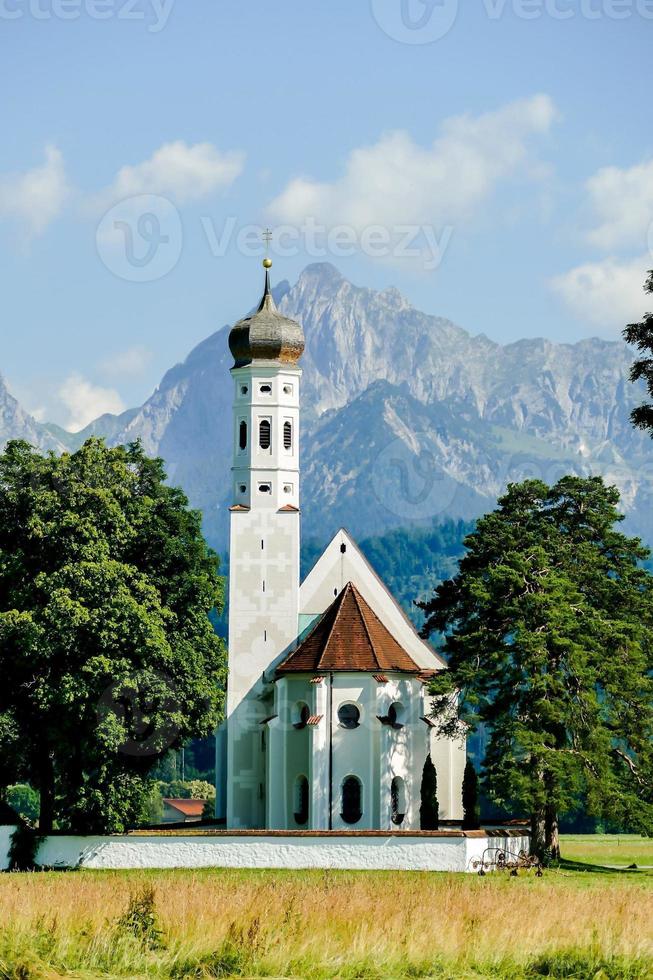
{"points": [[365, 853]]}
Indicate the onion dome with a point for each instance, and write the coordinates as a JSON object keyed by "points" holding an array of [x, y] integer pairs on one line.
{"points": [[266, 335]]}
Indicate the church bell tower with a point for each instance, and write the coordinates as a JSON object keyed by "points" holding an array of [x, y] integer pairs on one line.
{"points": [[264, 539]]}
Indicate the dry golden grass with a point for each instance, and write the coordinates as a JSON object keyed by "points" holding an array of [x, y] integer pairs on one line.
{"points": [[328, 924]]}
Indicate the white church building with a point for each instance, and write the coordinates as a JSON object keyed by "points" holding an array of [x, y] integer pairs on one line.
{"points": [[327, 717]]}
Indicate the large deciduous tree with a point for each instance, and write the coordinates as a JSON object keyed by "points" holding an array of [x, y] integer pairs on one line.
{"points": [[640, 335], [549, 640], [107, 655]]}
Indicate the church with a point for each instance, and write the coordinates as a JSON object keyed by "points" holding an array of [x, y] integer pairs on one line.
{"points": [[327, 716]]}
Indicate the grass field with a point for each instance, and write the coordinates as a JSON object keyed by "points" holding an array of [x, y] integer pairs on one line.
{"points": [[326, 925]]}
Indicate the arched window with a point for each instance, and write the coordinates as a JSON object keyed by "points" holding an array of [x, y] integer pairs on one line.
{"points": [[300, 714], [264, 434], [351, 800], [397, 715], [398, 800], [242, 435], [349, 715], [287, 435], [300, 805]]}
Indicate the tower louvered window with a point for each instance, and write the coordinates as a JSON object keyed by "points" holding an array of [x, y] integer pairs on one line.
{"points": [[287, 435], [242, 435], [265, 434]]}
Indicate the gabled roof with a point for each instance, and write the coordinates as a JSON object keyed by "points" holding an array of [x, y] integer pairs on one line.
{"points": [[349, 636], [190, 808], [343, 561]]}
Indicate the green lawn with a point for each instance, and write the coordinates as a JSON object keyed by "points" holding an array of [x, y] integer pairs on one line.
{"points": [[620, 850]]}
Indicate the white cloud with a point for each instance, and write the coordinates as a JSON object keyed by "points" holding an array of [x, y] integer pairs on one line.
{"points": [[85, 401], [622, 201], [609, 294], [35, 198], [397, 182], [128, 363], [177, 170]]}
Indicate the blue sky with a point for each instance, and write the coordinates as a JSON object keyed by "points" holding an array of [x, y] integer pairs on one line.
{"points": [[500, 174]]}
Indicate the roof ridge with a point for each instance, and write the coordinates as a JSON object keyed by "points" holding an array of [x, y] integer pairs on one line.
{"points": [[357, 597], [339, 601]]}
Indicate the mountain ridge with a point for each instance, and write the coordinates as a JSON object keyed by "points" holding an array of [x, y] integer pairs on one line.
{"points": [[406, 415]]}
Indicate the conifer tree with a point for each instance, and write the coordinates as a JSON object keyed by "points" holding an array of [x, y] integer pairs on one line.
{"points": [[429, 810], [549, 641], [640, 335], [471, 816]]}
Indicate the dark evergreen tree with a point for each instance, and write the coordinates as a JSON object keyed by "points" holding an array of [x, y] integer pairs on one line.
{"points": [[640, 335], [429, 811], [471, 814], [549, 641]]}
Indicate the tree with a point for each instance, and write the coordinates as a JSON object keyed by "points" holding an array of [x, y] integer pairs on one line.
{"points": [[471, 815], [429, 811], [24, 801], [549, 640], [640, 335], [107, 655]]}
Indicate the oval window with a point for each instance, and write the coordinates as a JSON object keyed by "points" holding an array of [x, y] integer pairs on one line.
{"points": [[351, 800], [242, 435], [287, 435], [398, 801], [349, 715], [266, 389], [300, 805]]}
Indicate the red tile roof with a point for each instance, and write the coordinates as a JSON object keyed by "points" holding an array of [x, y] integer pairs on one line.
{"points": [[190, 808], [349, 637]]}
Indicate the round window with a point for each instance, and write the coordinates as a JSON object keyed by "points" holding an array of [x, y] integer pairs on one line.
{"points": [[349, 715]]}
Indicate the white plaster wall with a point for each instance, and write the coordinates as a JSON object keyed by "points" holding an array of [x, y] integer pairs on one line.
{"points": [[402, 853], [486, 848], [5, 843]]}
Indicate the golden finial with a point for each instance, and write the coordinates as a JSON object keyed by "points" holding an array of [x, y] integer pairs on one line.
{"points": [[267, 263]]}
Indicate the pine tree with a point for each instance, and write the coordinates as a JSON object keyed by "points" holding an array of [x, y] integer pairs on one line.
{"points": [[429, 809], [549, 639], [471, 818], [640, 335]]}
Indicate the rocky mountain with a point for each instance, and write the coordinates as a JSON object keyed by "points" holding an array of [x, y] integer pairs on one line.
{"points": [[407, 418], [16, 423]]}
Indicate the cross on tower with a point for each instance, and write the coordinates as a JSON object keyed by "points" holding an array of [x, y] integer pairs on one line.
{"points": [[267, 238]]}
